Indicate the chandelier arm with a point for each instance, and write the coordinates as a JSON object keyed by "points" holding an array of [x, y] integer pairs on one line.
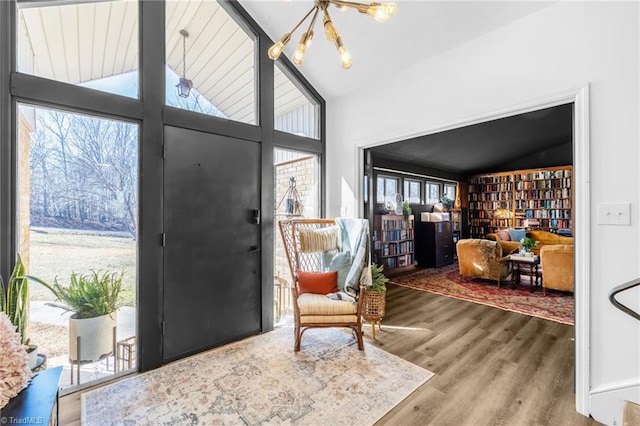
{"points": [[360, 7], [315, 7], [329, 21], [313, 21]]}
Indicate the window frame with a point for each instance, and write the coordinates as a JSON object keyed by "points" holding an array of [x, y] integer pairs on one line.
{"points": [[385, 178], [407, 186]]}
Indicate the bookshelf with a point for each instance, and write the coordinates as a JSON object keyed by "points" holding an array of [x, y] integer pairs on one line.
{"points": [[393, 242], [533, 198], [456, 223]]}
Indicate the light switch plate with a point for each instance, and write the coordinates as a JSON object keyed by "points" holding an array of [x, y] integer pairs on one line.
{"points": [[614, 214]]}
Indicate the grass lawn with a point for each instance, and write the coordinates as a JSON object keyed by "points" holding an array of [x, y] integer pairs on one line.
{"points": [[58, 252]]}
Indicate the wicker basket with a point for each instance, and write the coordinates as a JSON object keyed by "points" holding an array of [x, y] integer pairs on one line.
{"points": [[373, 305]]}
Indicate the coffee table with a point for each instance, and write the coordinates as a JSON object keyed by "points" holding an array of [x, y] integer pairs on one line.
{"points": [[528, 265]]}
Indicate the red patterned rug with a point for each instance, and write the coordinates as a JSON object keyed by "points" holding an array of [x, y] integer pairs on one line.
{"points": [[446, 281]]}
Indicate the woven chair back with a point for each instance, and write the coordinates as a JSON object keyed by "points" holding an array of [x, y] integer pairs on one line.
{"points": [[305, 240]]}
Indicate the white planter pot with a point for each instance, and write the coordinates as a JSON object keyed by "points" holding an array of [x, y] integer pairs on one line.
{"points": [[96, 337], [33, 356]]}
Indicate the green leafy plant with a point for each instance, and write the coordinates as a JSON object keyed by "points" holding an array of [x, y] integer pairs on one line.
{"points": [[527, 243], [91, 295], [378, 279], [406, 210], [14, 299], [446, 201]]}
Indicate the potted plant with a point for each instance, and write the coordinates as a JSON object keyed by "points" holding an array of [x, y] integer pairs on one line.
{"points": [[406, 210], [94, 298], [446, 202], [526, 244], [14, 302], [374, 304]]}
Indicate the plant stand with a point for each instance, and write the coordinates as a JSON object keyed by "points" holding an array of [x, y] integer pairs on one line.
{"points": [[373, 308]]}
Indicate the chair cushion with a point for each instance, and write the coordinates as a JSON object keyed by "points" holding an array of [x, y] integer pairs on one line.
{"points": [[317, 282], [340, 262], [318, 240], [516, 234], [504, 234], [319, 304]]}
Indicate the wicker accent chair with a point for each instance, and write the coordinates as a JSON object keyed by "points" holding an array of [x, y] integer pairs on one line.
{"points": [[316, 310]]}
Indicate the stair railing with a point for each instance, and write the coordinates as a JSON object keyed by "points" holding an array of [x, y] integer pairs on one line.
{"points": [[619, 289]]}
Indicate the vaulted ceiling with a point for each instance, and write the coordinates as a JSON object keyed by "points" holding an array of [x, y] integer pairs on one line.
{"points": [[221, 63], [420, 30]]}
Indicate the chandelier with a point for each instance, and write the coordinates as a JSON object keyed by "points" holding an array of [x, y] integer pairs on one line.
{"points": [[381, 12], [184, 85]]}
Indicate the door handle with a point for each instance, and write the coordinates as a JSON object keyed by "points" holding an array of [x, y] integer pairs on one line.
{"points": [[253, 249]]}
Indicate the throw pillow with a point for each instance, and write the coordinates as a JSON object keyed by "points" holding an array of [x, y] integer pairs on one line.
{"points": [[504, 234], [317, 282], [516, 234], [341, 263]]}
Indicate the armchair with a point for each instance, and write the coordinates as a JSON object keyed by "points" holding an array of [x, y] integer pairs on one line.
{"points": [[557, 267], [482, 259], [311, 244], [504, 239]]}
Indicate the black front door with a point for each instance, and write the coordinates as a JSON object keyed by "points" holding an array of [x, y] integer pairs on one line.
{"points": [[212, 242]]}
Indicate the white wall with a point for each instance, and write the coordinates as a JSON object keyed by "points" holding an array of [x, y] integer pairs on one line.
{"points": [[556, 50]]}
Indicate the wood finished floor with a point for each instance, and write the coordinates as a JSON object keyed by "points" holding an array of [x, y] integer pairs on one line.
{"points": [[492, 367]]}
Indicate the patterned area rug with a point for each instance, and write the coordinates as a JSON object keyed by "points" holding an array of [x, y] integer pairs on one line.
{"points": [[446, 281], [261, 380]]}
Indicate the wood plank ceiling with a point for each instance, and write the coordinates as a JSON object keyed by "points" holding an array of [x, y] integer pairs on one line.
{"points": [[77, 43]]}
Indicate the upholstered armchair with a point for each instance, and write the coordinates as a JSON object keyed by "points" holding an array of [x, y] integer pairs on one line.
{"points": [[557, 267], [545, 238], [482, 259], [504, 239]]}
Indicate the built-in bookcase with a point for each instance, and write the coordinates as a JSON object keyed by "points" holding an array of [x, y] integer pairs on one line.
{"points": [[534, 198], [393, 241]]}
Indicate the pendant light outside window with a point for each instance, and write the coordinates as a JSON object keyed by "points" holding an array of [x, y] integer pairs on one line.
{"points": [[184, 85]]}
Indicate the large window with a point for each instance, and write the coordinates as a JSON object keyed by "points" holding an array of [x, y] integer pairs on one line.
{"points": [[386, 190], [433, 192], [77, 213], [297, 194], [412, 191], [295, 112], [450, 190], [81, 43], [207, 47]]}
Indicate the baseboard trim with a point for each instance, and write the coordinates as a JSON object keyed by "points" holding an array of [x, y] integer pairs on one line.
{"points": [[607, 401]]}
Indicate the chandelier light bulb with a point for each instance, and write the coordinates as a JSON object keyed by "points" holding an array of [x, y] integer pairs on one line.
{"points": [[345, 57], [309, 38], [298, 55], [277, 48], [382, 12]]}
